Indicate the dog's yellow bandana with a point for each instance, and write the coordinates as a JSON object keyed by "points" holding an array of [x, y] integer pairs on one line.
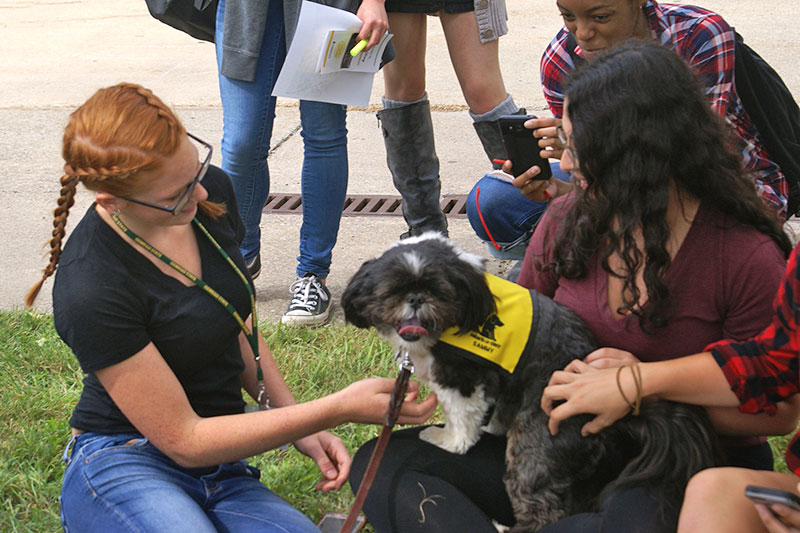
{"points": [[501, 340]]}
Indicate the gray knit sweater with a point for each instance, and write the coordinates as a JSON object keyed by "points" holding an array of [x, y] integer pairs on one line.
{"points": [[243, 29]]}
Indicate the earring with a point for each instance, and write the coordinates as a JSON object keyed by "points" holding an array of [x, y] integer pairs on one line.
{"points": [[115, 213]]}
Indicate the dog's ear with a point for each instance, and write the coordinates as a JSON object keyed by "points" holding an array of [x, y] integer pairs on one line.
{"points": [[358, 293], [478, 300]]}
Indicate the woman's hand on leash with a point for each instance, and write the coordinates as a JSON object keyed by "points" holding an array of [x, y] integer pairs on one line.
{"points": [[610, 358], [369, 400], [331, 456], [584, 389], [412, 411]]}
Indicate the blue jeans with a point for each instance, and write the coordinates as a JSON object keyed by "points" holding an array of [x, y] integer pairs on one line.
{"points": [[323, 183], [248, 112], [123, 483], [508, 215]]}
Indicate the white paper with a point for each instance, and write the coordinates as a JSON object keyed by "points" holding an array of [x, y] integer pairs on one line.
{"points": [[299, 77]]}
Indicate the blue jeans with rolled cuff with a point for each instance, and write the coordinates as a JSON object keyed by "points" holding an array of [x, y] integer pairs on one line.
{"points": [[248, 110], [121, 482], [509, 216]]}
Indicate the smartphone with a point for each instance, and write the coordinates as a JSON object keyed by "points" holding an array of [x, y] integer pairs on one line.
{"points": [[769, 496], [522, 148], [333, 522]]}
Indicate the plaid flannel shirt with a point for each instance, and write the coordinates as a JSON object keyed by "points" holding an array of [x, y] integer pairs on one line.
{"points": [[707, 43], [766, 369]]}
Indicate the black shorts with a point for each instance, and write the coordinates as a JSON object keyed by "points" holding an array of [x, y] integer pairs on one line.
{"points": [[429, 6]]}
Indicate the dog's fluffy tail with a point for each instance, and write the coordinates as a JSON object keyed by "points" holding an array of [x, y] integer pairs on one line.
{"points": [[662, 462]]}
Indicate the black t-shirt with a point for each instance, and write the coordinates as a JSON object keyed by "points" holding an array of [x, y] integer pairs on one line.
{"points": [[110, 301]]}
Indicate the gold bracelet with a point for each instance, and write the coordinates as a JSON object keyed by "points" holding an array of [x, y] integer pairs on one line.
{"points": [[636, 372]]}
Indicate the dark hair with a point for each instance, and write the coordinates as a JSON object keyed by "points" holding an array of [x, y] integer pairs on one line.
{"points": [[640, 122]]}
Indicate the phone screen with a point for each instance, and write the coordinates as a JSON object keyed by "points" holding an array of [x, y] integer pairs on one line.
{"points": [[522, 148]]}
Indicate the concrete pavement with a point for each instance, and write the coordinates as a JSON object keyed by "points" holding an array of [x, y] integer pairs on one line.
{"points": [[55, 53]]}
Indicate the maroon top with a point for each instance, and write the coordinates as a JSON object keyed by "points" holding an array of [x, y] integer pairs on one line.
{"points": [[722, 280]]}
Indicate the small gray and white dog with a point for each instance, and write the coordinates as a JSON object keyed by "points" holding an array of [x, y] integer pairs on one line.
{"points": [[424, 288]]}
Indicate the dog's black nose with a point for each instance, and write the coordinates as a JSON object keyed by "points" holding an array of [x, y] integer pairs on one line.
{"points": [[415, 300]]}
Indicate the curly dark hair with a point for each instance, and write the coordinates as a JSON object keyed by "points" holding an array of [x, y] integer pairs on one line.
{"points": [[640, 122]]}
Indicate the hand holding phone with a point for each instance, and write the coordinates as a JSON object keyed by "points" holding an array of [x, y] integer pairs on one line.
{"points": [[522, 148], [769, 496]]}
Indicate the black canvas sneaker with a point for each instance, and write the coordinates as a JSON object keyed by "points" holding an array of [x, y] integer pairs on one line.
{"points": [[311, 302]]}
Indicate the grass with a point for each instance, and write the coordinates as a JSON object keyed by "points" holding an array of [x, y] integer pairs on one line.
{"points": [[40, 381]]}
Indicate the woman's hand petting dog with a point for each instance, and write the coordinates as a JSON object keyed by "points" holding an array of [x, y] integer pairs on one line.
{"points": [[585, 389], [370, 399], [610, 358]]}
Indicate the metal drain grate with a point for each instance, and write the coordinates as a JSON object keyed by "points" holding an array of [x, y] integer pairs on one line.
{"points": [[359, 205]]}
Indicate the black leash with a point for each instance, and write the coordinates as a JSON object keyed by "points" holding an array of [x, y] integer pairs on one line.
{"points": [[392, 412]]}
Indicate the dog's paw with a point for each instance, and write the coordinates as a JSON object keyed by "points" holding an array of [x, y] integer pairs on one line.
{"points": [[445, 440]]}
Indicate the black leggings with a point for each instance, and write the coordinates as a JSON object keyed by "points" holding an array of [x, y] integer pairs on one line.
{"points": [[429, 6], [420, 487]]}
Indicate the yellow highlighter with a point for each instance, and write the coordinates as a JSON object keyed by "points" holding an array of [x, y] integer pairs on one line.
{"points": [[358, 47]]}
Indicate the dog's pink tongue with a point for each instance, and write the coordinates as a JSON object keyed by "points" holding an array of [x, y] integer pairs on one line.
{"points": [[411, 328]]}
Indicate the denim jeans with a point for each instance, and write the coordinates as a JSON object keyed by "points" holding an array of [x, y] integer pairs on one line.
{"points": [[123, 483], [323, 183], [508, 215], [248, 111]]}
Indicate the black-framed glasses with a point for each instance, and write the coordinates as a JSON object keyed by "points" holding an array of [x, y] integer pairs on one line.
{"points": [[184, 198], [562, 136]]}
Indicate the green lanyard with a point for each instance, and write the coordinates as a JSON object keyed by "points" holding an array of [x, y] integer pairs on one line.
{"points": [[252, 336]]}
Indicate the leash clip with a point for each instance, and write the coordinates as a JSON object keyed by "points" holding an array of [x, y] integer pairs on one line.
{"points": [[263, 396], [399, 391], [406, 364]]}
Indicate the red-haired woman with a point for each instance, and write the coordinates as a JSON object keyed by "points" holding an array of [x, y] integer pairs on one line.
{"points": [[153, 297]]}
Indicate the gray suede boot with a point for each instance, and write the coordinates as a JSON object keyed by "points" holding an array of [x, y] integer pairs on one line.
{"points": [[411, 157], [492, 139]]}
